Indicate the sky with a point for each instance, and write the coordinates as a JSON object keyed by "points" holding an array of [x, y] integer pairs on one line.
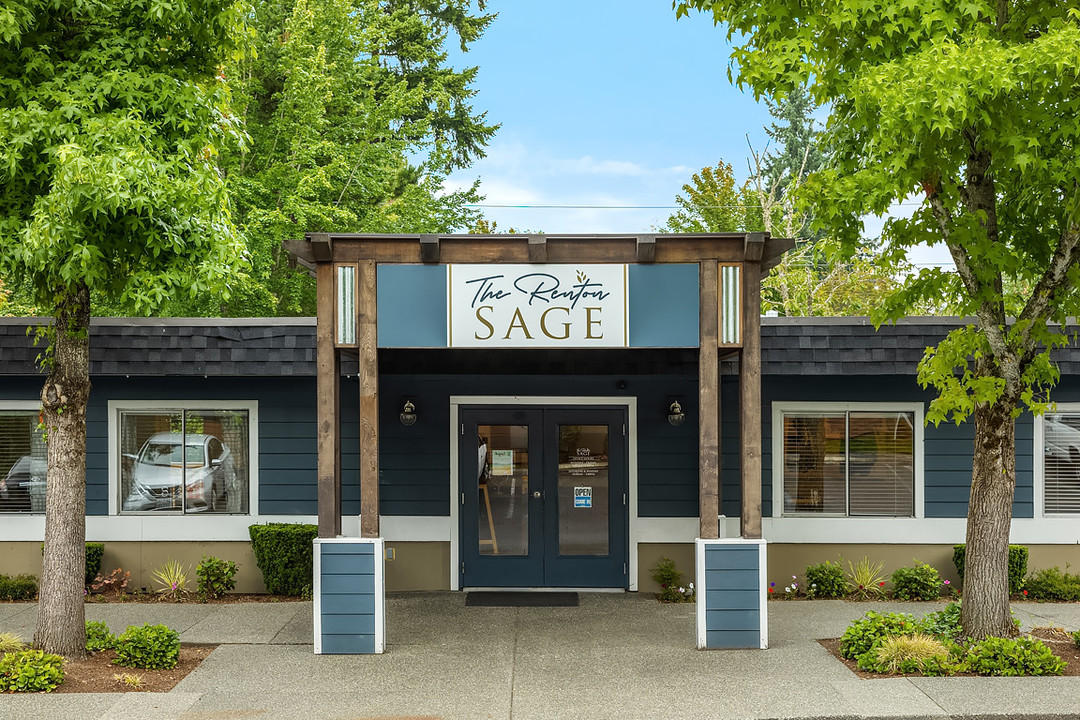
{"points": [[606, 109]]}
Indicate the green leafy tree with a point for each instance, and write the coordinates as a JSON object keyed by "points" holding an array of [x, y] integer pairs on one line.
{"points": [[714, 202], [355, 117], [974, 107], [112, 113]]}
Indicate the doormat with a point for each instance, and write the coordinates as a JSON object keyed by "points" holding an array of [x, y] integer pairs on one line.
{"points": [[521, 599]]}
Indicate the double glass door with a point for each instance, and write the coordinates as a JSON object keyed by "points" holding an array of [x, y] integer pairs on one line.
{"points": [[544, 497]]}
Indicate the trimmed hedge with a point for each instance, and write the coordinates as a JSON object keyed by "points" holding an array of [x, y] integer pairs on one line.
{"points": [[283, 551], [94, 552], [1018, 560], [18, 587]]}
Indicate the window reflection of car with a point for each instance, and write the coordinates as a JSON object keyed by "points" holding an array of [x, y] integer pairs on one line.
{"points": [[157, 473], [1062, 441], [15, 487]]}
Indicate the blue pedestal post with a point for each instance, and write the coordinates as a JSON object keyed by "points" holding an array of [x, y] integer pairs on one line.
{"points": [[349, 596], [731, 593]]}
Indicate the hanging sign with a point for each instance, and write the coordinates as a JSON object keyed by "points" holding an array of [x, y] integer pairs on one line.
{"points": [[583, 497], [504, 306], [502, 462]]}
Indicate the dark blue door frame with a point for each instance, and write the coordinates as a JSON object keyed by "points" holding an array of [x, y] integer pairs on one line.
{"points": [[541, 563]]}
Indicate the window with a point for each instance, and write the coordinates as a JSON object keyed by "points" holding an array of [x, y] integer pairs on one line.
{"points": [[22, 461], [184, 460], [848, 462], [1061, 463]]}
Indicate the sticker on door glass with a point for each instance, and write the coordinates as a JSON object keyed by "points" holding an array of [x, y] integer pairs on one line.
{"points": [[502, 462], [583, 497]]}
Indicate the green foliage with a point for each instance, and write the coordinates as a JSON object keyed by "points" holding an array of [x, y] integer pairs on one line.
{"points": [[30, 671], [154, 647], [906, 654], [170, 580], [670, 580], [945, 623], [711, 202], [865, 580], [98, 636], [10, 642], [18, 587], [1018, 562], [283, 551], [94, 552], [919, 582], [1054, 585], [1013, 656], [216, 577], [1075, 635], [825, 580], [861, 635], [355, 116]]}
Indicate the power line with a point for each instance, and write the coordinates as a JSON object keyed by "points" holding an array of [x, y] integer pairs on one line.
{"points": [[629, 207]]}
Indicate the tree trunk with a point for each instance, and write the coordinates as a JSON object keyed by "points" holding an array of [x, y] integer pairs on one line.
{"points": [[61, 614], [993, 481]]}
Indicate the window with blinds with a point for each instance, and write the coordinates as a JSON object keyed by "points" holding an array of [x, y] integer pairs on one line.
{"points": [[22, 462], [849, 463], [1061, 464]]}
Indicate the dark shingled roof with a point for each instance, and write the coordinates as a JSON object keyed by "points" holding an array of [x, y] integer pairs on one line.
{"points": [[286, 346]]}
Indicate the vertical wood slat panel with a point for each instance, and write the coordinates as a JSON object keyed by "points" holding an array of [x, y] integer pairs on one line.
{"points": [[709, 405], [328, 388], [367, 341], [750, 402]]}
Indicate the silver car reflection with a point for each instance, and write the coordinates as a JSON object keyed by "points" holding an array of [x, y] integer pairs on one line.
{"points": [[157, 473]]}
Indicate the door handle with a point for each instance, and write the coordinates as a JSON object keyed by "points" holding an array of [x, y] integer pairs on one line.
{"points": [[537, 494]]}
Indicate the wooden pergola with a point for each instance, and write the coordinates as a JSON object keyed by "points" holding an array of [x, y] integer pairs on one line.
{"points": [[731, 267]]}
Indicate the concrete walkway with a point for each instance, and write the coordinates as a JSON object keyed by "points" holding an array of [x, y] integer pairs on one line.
{"points": [[615, 656]]}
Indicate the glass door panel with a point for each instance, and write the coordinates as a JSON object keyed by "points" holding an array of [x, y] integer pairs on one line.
{"points": [[583, 490], [503, 489]]}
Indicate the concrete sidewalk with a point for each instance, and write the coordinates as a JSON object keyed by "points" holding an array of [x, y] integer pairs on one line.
{"points": [[616, 656]]}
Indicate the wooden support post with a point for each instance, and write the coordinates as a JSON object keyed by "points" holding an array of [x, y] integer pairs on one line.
{"points": [[328, 383], [750, 401], [369, 400], [708, 404]]}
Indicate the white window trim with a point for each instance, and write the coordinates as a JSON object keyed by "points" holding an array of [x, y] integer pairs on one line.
{"points": [[778, 410], [1038, 471], [162, 526]]}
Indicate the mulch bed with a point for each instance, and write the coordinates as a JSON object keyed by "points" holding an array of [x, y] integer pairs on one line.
{"points": [[1055, 638], [227, 599], [97, 674]]}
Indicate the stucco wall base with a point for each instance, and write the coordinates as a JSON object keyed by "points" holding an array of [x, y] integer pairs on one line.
{"points": [[650, 553], [141, 559], [418, 566]]}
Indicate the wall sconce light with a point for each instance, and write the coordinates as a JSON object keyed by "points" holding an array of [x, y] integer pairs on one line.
{"points": [[408, 414], [676, 416]]}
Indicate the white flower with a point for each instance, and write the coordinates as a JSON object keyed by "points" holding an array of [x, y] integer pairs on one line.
{"points": [[682, 591], [787, 589], [691, 586]]}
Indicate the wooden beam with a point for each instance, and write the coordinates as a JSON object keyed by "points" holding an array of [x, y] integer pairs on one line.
{"points": [[750, 401], [429, 248], [708, 405], [537, 249], [369, 400], [646, 249], [754, 246], [328, 388]]}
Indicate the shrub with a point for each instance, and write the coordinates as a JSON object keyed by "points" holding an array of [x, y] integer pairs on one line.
{"points": [[1053, 584], [1013, 656], [825, 580], [154, 647], [114, 582], [94, 553], [283, 551], [1075, 638], [920, 582], [861, 635], [670, 580], [18, 587], [30, 671], [98, 636], [216, 577], [10, 642], [865, 580], [1018, 560], [170, 580], [945, 622], [904, 653]]}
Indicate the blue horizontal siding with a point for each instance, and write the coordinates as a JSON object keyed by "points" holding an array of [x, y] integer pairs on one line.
{"points": [[731, 558], [724, 599], [732, 579], [347, 604], [735, 620], [724, 639], [348, 644], [347, 565], [348, 548]]}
